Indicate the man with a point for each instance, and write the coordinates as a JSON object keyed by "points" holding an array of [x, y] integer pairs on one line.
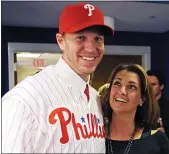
{"points": [[56, 110], [157, 80]]}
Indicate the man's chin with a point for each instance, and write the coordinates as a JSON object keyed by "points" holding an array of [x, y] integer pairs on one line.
{"points": [[89, 70]]}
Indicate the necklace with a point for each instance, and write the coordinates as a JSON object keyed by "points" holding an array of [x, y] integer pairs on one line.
{"points": [[128, 147]]}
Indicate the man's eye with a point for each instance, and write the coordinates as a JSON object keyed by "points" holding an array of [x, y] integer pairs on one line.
{"points": [[80, 37], [99, 39]]}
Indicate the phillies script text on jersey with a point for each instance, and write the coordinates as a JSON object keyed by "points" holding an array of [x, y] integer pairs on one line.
{"points": [[95, 129]]}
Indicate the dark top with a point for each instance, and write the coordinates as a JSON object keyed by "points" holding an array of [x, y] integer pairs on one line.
{"points": [[164, 110], [157, 143]]}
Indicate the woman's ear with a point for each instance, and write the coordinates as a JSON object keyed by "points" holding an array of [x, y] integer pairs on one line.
{"points": [[60, 40]]}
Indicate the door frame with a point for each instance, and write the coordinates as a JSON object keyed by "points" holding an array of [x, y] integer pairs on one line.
{"points": [[144, 51]]}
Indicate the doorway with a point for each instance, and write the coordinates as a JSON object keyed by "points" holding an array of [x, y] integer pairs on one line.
{"points": [[104, 69], [28, 63]]}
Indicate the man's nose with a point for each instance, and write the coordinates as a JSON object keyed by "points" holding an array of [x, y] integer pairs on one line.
{"points": [[90, 46]]}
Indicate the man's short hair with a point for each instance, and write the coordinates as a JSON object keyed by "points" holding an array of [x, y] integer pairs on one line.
{"points": [[158, 74]]}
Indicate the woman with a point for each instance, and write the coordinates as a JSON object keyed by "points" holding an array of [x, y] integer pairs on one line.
{"points": [[130, 112]]}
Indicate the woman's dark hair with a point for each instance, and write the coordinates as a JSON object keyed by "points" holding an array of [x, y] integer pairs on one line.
{"points": [[148, 113]]}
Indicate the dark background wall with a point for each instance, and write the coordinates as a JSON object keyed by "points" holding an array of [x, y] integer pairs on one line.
{"points": [[166, 62], [157, 41]]}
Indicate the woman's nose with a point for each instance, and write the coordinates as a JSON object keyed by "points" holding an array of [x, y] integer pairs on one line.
{"points": [[123, 90]]}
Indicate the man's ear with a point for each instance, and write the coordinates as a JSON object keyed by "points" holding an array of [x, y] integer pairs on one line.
{"points": [[60, 40], [162, 87]]}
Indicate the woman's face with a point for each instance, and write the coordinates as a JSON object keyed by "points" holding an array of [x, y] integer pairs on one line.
{"points": [[125, 93]]}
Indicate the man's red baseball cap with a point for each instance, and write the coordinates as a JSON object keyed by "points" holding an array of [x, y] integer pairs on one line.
{"points": [[80, 16]]}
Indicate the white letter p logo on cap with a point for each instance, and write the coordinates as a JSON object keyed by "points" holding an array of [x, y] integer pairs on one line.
{"points": [[90, 7]]}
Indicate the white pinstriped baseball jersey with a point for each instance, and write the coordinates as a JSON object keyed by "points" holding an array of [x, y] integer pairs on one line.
{"points": [[49, 113]]}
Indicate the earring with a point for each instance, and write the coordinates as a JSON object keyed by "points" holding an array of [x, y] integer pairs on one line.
{"points": [[106, 120], [141, 102]]}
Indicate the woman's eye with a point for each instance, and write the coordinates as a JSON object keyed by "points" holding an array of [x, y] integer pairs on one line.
{"points": [[116, 83], [133, 87]]}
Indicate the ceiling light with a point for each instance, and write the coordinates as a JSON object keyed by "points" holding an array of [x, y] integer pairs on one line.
{"points": [[28, 55], [41, 68], [151, 17]]}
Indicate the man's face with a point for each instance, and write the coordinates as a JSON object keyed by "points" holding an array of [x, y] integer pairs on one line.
{"points": [[82, 51], [156, 86]]}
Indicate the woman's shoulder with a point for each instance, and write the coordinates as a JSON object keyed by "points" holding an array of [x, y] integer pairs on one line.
{"points": [[163, 140], [155, 133], [155, 142], [151, 134], [158, 133], [159, 137]]}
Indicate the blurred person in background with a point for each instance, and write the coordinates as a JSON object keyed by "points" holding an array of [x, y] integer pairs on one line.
{"points": [[158, 84], [103, 89]]}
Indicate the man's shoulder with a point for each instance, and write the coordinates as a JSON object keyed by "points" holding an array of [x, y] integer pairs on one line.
{"points": [[30, 84], [22, 89]]}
